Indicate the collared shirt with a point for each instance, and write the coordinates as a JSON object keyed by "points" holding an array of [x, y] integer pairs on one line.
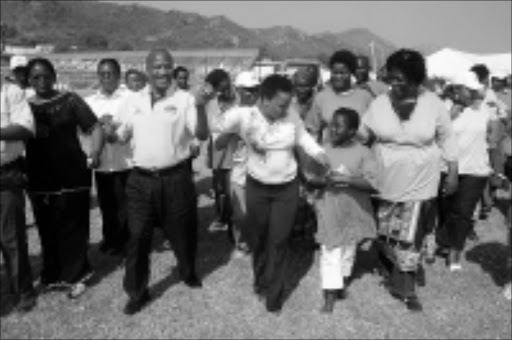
{"points": [[327, 101], [277, 163], [14, 110], [114, 156], [409, 153], [161, 134]]}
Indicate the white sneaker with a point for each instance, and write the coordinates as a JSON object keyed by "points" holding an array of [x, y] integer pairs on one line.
{"points": [[238, 254], [77, 289], [455, 267], [217, 226], [507, 291]]}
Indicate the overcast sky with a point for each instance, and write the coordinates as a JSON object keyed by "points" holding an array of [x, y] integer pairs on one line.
{"points": [[472, 26]]}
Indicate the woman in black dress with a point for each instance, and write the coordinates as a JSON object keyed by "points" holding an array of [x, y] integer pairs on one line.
{"points": [[59, 178]]}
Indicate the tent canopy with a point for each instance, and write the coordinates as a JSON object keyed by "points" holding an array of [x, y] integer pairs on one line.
{"points": [[448, 63]]}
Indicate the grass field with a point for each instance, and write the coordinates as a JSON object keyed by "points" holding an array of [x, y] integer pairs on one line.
{"points": [[465, 305]]}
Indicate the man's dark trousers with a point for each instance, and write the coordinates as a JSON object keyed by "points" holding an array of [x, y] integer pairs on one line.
{"points": [[166, 198]]}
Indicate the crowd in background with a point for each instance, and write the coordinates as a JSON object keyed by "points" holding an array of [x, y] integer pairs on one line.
{"points": [[397, 161]]}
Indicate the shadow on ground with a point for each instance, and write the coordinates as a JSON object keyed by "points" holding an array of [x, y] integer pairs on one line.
{"points": [[214, 250], [365, 262], [494, 258], [102, 265]]}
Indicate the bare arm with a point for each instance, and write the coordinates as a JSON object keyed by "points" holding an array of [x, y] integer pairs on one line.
{"points": [[15, 132], [357, 182], [97, 143], [202, 130]]}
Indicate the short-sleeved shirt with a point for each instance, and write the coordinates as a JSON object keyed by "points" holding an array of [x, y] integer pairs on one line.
{"points": [[345, 214], [326, 102], [161, 133], [114, 156], [55, 159], [279, 139], [14, 110], [409, 153], [473, 134]]}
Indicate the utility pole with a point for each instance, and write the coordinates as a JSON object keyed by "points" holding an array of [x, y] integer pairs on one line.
{"points": [[372, 51]]}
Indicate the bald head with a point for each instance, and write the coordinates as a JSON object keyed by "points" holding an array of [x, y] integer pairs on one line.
{"points": [[159, 67], [158, 53]]}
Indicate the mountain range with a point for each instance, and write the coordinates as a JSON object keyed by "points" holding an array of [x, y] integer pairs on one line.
{"points": [[95, 25]]}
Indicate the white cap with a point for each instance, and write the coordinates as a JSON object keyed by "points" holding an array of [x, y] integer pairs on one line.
{"points": [[246, 79], [469, 80], [18, 61]]}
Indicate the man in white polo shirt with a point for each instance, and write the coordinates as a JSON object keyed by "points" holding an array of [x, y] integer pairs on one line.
{"points": [[16, 125], [272, 132], [110, 177], [161, 125]]}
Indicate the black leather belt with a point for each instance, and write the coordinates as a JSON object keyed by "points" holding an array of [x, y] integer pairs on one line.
{"points": [[159, 172]]}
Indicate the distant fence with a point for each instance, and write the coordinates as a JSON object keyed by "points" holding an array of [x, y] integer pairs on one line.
{"points": [[78, 70]]}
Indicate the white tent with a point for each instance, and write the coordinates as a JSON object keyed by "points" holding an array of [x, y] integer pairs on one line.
{"points": [[447, 63]]}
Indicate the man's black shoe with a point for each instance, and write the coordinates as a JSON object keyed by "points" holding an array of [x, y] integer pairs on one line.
{"points": [[274, 308], [193, 282], [135, 306], [341, 294], [413, 304]]}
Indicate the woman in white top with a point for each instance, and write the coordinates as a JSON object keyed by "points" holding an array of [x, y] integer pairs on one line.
{"points": [[412, 132], [475, 128], [271, 132]]}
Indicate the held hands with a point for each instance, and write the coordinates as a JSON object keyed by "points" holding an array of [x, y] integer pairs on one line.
{"points": [[498, 181], [450, 185], [93, 161], [106, 119], [109, 128]]}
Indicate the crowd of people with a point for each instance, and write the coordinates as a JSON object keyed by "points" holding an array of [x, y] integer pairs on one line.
{"points": [[387, 160]]}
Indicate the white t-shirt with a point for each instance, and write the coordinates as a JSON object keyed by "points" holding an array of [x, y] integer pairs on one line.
{"points": [[409, 153], [471, 132]]}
